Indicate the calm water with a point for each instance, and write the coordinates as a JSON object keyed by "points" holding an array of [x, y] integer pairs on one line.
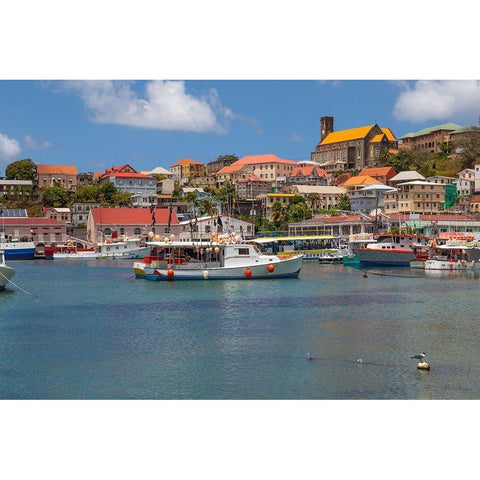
{"points": [[92, 331]]}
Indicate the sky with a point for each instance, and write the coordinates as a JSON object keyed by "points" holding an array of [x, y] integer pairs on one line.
{"points": [[95, 124]]}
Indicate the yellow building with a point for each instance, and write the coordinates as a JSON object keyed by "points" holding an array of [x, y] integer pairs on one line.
{"points": [[185, 170], [415, 197]]}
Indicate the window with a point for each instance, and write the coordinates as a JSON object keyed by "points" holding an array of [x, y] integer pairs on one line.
{"points": [[243, 251], [137, 231], [122, 231], [107, 231]]}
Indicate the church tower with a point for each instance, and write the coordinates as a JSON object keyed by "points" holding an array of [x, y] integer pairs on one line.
{"points": [[326, 127]]}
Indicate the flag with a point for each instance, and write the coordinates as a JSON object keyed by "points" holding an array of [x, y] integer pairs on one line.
{"points": [[219, 220], [153, 217]]}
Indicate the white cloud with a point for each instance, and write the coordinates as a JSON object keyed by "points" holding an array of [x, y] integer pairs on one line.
{"points": [[295, 137], [9, 147], [439, 100], [166, 106], [36, 144]]}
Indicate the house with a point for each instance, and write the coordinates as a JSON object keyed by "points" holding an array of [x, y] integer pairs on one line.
{"points": [[106, 223], [405, 176], [354, 148], [429, 139], [80, 211], [417, 196], [307, 175], [252, 186], [382, 174], [319, 196], [15, 188], [267, 167], [186, 170], [165, 187], [133, 183], [60, 214], [475, 204], [64, 175]]}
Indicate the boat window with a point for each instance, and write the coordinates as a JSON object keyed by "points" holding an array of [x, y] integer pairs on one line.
{"points": [[243, 251]]}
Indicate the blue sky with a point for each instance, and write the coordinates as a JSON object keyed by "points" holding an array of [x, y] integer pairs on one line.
{"points": [[97, 124]]}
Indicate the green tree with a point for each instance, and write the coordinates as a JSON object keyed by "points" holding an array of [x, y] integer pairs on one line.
{"points": [[56, 196], [344, 202], [297, 212], [313, 199], [21, 170], [279, 216], [469, 148]]}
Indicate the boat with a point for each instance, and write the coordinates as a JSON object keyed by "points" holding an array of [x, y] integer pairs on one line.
{"points": [[17, 249], [126, 248], [355, 241], [390, 249], [6, 272], [324, 249], [452, 255], [213, 260]]}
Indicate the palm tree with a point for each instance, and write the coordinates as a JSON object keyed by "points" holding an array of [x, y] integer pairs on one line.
{"points": [[313, 199], [279, 215]]}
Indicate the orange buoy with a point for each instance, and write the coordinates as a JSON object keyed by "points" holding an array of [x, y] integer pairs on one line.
{"points": [[170, 273], [271, 268], [248, 273], [451, 264]]}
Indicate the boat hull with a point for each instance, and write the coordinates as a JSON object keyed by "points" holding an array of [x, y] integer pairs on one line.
{"points": [[18, 250], [6, 274], [392, 257], [288, 268]]}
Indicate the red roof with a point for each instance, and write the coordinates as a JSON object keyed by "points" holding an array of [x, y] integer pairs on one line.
{"points": [[32, 221], [475, 199], [132, 216], [125, 175], [307, 170], [267, 158], [378, 171]]}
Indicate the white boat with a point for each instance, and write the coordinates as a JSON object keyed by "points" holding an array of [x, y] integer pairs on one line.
{"points": [[213, 261], [318, 248], [6, 272], [451, 256], [126, 248], [356, 241], [17, 249], [390, 249]]}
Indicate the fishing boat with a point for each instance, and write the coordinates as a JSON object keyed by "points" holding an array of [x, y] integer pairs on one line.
{"points": [[452, 255], [126, 248], [6, 272], [390, 249], [324, 249], [17, 249], [231, 259]]}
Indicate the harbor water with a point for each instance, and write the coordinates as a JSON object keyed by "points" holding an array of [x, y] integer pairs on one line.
{"points": [[89, 330]]}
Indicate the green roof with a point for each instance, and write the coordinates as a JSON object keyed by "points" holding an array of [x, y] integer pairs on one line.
{"points": [[468, 128], [444, 126]]}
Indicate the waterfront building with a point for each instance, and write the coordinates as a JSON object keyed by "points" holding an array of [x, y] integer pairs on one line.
{"points": [[417, 196], [351, 149], [337, 226], [428, 139], [64, 175], [37, 229], [219, 163], [107, 223], [202, 228]]}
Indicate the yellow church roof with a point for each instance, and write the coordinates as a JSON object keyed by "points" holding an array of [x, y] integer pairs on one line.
{"points": [[346, 135], [389, 134], [377, 138]]}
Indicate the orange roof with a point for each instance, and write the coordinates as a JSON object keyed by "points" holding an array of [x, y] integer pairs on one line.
{"points": [[132, 216], [475, 199], [390, 136], [377, 138], [345, 135], [185, 161], [378, 171], [229, 169], [360, 180], [307, 170], [56, 170], [267, 158], [125, 175]]}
